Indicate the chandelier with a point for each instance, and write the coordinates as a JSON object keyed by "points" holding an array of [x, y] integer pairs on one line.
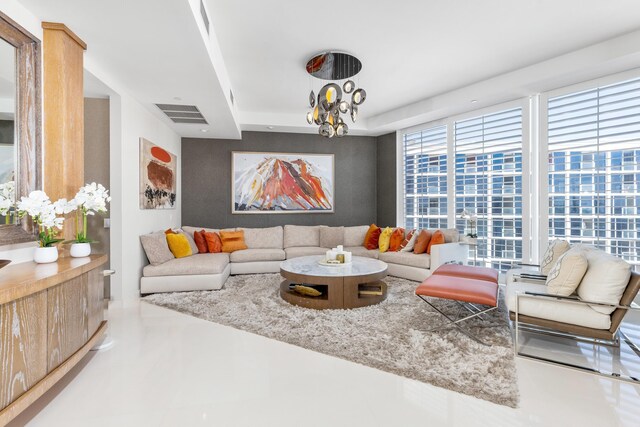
{"points": [[329, 104]]}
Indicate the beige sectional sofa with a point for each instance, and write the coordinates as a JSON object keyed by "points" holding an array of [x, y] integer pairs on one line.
{"points": [[268, 247]]}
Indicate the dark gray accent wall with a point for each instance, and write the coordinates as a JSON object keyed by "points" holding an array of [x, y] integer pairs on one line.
{"points": [[206, 179], [386, 180]]}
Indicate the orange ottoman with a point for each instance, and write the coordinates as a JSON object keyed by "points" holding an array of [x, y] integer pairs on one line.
{"points": [[468, 271]]}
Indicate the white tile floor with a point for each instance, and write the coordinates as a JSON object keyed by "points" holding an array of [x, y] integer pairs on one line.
{"points": [[169, 369]]}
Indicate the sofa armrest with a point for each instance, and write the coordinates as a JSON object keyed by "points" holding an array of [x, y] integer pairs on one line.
{"points": [[448, 253]]}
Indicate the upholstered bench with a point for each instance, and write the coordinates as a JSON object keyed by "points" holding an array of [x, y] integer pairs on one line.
{"points": [[464, 284]]}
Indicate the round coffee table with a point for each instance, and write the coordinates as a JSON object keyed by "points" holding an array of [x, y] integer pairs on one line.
{"points": [[354, 285]]}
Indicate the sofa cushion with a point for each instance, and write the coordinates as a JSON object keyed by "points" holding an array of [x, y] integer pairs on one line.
{"points": [[422, 242], [156, 247], [372, 238], [437, 239], [264, 238], [179, 245], [232, 241], [574, 314], [554, 251], [451, 235], [192, 243], [214, 244], [298, 251], [406, 258], [296, 236], [567, 272], [397, 237], [605, 280], [201, 241], [362, 251], [331, 237], [385, 239], [252, 255], [409, 241], [354, 236], [196, 264]]}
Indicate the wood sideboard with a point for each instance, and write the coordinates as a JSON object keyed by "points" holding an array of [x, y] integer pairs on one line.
{"points": [[50, 317]]}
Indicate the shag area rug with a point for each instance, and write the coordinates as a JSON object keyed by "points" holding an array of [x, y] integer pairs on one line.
{"points": [[391, 336]]}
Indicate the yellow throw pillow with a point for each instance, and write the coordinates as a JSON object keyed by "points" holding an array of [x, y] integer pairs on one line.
{"points": [[178, 245], [385, 239]]}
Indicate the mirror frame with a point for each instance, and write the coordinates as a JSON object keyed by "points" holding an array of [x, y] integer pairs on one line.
{"points": [[28, 122]]}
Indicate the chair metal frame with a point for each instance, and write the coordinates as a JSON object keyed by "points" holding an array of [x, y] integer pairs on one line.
{"points": [[574, 300]]}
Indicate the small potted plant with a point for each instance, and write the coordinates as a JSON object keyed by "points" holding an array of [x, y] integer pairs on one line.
{"points": [[472, 219], [7, 200], [90, 199], [45, 217]]}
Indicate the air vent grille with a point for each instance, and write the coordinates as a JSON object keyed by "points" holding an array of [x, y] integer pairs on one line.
{"points": [[183, 113], [205, 17]]}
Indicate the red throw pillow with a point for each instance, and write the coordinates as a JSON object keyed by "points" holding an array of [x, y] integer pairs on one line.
{"points": [[201, 241], [214, 244], [437, 239], [422, 242], [372, 238], [396, 239]]}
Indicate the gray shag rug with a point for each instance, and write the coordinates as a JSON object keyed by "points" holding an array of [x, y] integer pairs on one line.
{"points": [[391, 336]]}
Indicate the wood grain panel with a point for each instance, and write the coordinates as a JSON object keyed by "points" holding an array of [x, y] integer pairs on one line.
{"points": [[64, 115], [95, 299], [66, 320], [23, 337]]}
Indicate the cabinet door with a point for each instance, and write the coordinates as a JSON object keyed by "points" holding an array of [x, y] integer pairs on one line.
{"points": [[67, 320], [95, 299], [23, 345]]}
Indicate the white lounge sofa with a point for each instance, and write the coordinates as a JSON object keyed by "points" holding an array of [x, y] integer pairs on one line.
{"points": [[268, 247]]}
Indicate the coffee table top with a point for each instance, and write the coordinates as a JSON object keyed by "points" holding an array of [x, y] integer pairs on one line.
{"points": [[308, 265]]}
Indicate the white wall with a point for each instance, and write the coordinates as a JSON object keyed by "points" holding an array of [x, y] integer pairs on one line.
{"points": [[129, 121]]}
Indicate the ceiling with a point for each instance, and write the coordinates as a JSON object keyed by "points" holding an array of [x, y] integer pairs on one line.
{"points": [[410, 53]]}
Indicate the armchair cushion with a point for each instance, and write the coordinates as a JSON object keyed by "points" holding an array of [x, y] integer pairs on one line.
{"points": [[605, 280], [567, 272], [554, 251]]}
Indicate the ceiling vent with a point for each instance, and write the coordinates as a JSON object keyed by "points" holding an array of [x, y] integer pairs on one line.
{"points": [[183, 113], [205, 17]]}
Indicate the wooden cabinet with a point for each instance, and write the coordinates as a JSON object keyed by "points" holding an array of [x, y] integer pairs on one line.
{"points": [[50, 316]]}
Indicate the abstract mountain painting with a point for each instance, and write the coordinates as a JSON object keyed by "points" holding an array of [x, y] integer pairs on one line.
{"points": [[157, 177], [282, 183]]}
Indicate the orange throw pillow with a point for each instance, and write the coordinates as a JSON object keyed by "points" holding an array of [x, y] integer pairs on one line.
{"points": [[232, 241], [396, 239], [422, 242], [169, 231], [201, 241], [214, 244], [437, 239], [372, 238]]}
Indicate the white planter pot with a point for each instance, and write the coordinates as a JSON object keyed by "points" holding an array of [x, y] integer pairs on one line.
{"points": [[45, 255], [80, 250]]}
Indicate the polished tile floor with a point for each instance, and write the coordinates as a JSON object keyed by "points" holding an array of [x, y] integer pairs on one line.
{"points": [[169, 369]]}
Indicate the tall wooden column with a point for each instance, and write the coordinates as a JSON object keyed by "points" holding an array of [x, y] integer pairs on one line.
{"points": [[63, 115]]}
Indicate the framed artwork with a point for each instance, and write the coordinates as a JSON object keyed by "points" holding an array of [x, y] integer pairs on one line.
{"points": [[158, 169], [282, 183]]}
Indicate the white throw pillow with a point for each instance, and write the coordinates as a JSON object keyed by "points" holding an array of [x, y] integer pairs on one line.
{"points": [[565, 276], [605, 280], [412, 242], [554, 251]]}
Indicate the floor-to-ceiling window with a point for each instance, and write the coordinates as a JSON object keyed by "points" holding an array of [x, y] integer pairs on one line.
{"points": [[488, 182], [425, 178], [593, 168]]}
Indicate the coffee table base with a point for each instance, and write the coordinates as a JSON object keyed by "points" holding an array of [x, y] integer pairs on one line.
{"points": [[337, 292]]}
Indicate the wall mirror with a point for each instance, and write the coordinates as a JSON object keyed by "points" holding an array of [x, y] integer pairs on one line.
{"points": [[20, 146]]}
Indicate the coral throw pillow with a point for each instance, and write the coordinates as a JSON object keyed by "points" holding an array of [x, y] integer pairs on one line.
{"points": [[422, 242], [232, 241], [385, 239], [178, 245], [397, 238], [437, 239], [372, 237], [201, 241], [214, 244]]}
